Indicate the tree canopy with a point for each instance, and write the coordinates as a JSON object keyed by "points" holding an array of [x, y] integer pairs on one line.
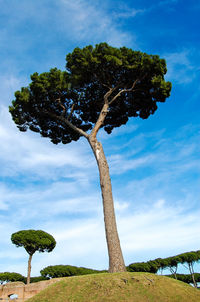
{"points": [[34, 240], [55, 271], [11, 277], [131, 81]]}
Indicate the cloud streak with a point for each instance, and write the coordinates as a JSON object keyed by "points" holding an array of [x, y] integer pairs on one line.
{"points": [[180, 66], [92, 23]]}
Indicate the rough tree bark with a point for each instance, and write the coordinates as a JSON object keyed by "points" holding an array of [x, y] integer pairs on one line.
{"points": [[116, 261]]}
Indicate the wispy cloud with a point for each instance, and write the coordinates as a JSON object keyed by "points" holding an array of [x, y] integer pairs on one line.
{"points": [[181, 68], [9, 83], [91, 22], [126, 12], [29, 151], [119, 164], [160, 227], [144, 235]]}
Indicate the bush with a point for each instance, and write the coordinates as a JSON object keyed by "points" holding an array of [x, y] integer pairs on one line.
{"points": [[57, 271], [37, 279], [187, 278], [11, 277], [149, 267]]}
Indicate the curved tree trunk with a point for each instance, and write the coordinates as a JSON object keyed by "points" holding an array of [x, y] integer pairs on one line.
{"points": [[29, 269], [116, 261], [192, 274]]}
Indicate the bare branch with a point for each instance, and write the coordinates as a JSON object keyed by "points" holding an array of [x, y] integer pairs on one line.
{"points": [[122, 91], [108, 93], [67, 122], [72, 109], [61, 105], [100, 120]]}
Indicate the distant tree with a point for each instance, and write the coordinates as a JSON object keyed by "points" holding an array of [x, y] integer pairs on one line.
{"points": [[11, 277], [149, 267], [186, 259], [187, 278], [32, 241], [190, 258], [37, 279], [102, 88], [161, 264], [56, 271], [172, 264]]}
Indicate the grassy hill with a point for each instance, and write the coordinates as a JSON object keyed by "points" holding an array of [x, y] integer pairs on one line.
{"points": [[124, 287]]}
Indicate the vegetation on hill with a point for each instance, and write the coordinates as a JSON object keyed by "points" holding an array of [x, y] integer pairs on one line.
{"points": [[153, 266], [187, 278], [186, 259], [11, 277], [56, 271], [129, 287], [14, 277]]}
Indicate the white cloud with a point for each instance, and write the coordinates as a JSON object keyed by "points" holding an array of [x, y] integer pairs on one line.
{"points": [[9, 83], [26, 151], [159, 231], [119, 164], [121, 206], [128, 13], [159, 204], [164, 228], [88, 21], [180, 67]]}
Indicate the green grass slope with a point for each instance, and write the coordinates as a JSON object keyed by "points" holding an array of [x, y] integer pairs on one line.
{"points": [[124, 287]]}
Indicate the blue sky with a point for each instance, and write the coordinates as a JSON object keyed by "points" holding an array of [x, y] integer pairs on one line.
{"points": [[154, 163]]}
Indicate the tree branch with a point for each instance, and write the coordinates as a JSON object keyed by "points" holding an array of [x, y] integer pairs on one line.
{"points": [[67, 122], [72, 109], [100, 120], [123, 90], [106, 96], [61, 105]]}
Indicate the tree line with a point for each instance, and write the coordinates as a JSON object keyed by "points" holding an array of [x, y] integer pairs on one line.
{"points": [[187, 259]]}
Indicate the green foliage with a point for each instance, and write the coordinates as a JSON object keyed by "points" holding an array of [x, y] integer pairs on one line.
{"points": [[34, 240], [37, 279], [189, 257], [57, 271], [119, 287], [163, 263], [45, 93], [148, 267], [96, 70], [11, 277], [91, 73], [187, 278]]}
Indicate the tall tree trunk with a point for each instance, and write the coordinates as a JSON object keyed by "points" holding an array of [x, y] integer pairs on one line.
{"points": [[173, 272], [116, 261], [192, 274], [29, 269]]}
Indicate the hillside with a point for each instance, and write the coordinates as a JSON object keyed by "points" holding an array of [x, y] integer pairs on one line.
{"points": [[124, 287]]}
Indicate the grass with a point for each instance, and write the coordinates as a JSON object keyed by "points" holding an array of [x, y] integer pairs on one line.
{"points": [[119, 287]]}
